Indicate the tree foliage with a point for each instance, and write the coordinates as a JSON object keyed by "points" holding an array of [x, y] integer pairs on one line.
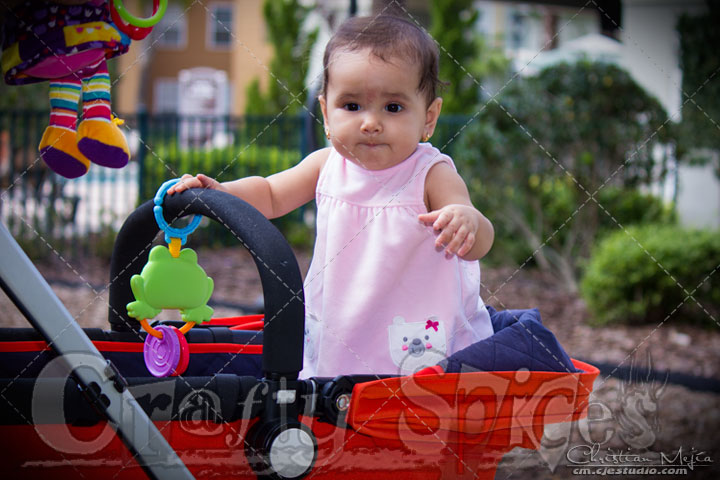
{"points": [[465, 58], [33, 96], [700, 64], [286, 90], [539, 158]]}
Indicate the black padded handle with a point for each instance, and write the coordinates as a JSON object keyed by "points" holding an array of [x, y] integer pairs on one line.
{"points": [[279, 272]]}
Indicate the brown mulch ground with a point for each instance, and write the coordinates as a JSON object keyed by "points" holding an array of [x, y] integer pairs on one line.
{"points": [[671, 346], [684, 418], [82, 286]]}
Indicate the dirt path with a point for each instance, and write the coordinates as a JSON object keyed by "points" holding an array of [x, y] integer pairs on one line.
{"points": [[82, 286]]}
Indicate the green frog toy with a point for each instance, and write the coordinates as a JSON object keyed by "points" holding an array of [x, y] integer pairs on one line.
{"points": [[168, 282]]}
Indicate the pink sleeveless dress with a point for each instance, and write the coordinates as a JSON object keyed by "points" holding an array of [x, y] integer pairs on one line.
{"points": [[380, 298]]}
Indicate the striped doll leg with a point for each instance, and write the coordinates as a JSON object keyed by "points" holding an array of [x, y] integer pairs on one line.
{"points": [[99, 137], [58, 147]]}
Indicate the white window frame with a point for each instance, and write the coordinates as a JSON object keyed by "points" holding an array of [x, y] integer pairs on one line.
{"points": [[176, 18], [212, 25]]}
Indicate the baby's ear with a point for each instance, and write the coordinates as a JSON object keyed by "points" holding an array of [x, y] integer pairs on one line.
{"points": [[323, 109], [398, 320], [431, 116]]}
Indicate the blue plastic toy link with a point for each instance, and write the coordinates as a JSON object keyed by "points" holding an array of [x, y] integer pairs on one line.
{"points": [[171, 232]]}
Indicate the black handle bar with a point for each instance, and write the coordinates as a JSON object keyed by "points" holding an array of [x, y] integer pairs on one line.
{"points": [[279, 272]]}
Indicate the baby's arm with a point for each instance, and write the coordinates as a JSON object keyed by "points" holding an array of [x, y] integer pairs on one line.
{"points": [[273, 196], [463, 229]]}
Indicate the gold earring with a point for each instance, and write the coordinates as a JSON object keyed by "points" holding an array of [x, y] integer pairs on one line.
{"points": [[327, 133], [425, 137]]}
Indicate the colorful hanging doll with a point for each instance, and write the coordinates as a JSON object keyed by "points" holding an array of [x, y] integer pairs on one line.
{"points": [[67, 44]]}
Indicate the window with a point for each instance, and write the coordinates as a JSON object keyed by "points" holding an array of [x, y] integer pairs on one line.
{"points": [[171, 30], [220, 26], [517, 26], [165, 95]]}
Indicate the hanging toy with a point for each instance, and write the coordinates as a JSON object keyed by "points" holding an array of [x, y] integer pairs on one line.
{"points": [[172, 279], [136, 28], [67, 44]]}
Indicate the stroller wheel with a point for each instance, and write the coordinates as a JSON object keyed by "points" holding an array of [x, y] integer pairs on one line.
{"points": [[335, 400], [281, 450]]}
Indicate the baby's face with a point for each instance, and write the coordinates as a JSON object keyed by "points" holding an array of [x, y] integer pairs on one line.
{"points": [[373, 109]]}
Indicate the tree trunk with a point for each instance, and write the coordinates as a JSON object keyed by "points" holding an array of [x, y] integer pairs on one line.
{"points": [[547, 258]]}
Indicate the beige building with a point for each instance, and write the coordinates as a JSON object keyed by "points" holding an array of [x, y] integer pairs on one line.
{"points": [[227, 36], [230, 36]]}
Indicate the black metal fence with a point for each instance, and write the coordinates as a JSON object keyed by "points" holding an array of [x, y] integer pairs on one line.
{"points": [[47, 212]]}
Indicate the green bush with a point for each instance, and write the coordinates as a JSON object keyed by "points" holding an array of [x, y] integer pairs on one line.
{"points": [[627, 206], [224, 164], [168, 161], [654, 273], [619, 206], [542, 145]]}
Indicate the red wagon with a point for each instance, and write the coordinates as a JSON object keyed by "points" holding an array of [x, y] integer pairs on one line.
{"points": [[77, 404]]}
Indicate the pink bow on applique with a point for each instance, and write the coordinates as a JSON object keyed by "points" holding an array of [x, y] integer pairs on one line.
{"points": [[430, 324]]}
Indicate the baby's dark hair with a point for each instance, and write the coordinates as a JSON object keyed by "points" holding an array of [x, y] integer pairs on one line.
{"points": [[388, 37]]}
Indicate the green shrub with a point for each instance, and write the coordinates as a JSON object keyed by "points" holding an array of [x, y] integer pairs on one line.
{"points": [[297, 233], [627, 206], [168, 161], [545, 142], [654, 273], [619, 206]]}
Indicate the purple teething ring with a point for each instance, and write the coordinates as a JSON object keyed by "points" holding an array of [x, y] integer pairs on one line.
{"points": [[184, 354], [162, 355]]}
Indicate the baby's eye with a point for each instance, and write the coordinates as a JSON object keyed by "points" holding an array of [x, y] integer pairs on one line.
{"points": [[352, 107], [394, 107]]}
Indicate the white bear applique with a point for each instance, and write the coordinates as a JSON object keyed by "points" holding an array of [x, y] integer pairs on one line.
{"points": [[313, 332], [416, 345]]}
